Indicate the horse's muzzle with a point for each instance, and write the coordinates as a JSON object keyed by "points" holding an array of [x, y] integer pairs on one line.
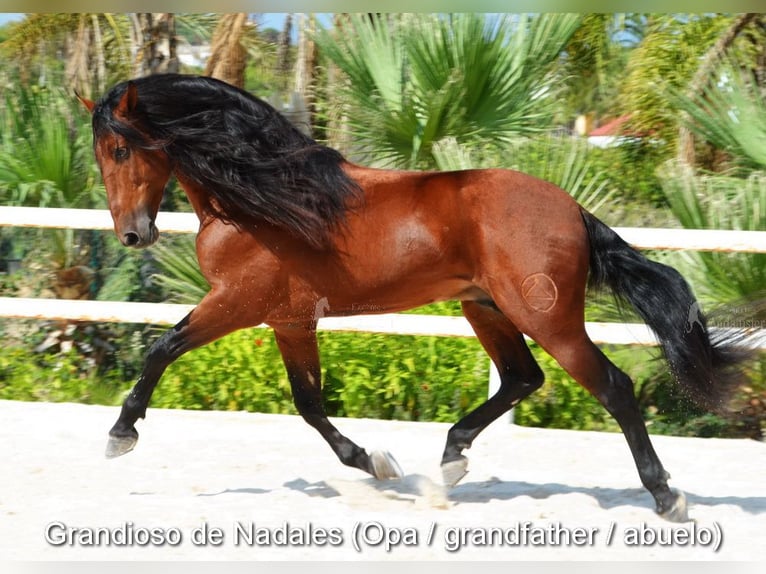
{"points": [[135, 237]]}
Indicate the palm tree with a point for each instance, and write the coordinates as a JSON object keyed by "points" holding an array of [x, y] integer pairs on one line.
{"points": [[676, 49], [595, 61], [154, 42], [228, 55], [730, 115], [418, 78], [45, 160], [93, 46], [284, 60], [306, 68], [713, 58]]}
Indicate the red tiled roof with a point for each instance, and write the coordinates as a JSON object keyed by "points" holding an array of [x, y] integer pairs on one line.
{"points": [[612, 128]]}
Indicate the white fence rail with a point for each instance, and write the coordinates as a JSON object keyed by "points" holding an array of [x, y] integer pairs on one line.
{"points": [[402, 324], [387, 323], [641, 238]]}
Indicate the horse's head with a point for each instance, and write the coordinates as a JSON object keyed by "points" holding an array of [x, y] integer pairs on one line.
{"points": [[134, 169]]}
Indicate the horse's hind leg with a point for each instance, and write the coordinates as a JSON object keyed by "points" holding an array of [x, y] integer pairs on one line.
{"points": [[298, 346], [519, 376], [588, 366]]}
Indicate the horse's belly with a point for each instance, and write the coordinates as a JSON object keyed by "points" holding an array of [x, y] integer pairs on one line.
{"points": [[398, 299]]}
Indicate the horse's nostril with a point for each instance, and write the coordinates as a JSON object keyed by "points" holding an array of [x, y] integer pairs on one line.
{"points": [[131, 238]]}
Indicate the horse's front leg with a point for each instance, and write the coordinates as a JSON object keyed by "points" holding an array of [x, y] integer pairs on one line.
{"points": [[298, 345], [210, 320]]}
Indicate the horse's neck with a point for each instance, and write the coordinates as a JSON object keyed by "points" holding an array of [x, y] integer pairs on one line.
{"points": [[200, 200]]}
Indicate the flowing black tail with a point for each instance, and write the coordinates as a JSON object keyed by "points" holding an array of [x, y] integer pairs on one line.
{"points": [[705, 368]]}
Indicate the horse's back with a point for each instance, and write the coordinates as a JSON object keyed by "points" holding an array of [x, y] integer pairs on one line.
{"points": [[494, 226], [490, 207]]}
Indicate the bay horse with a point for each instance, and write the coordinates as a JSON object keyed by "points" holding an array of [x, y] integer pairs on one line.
{"points": [[291, 231]]}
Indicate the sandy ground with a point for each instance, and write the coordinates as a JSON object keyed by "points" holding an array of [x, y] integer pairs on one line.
{"points": [[241, 486]]}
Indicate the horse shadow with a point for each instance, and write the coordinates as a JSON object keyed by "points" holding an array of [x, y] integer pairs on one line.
{"points": [[236, 491], [411, 488], [606, 497]]}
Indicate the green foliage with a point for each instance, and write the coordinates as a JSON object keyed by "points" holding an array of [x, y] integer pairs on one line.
{"points": [[179, 274], [242, 371], [29, 376], [364, 375], [46, 160], [666, 58], [720, 202], [416, 79], [731, 284], [561, 402], [45, 154], [121, 281], [731, 116], [633, 165], [40, 45], [399, 377], [595, 62]]}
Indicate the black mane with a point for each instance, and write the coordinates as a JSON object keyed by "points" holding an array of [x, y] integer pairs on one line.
{"points": [[252, 161]]}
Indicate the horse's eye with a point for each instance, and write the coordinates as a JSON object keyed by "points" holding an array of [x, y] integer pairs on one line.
{"points": [[121, 153]]}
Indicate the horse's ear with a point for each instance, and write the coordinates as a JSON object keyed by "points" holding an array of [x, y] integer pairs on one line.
{"points": [[89, 104], [128, 100]]}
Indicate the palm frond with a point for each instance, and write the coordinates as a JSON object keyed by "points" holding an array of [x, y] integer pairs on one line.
{"points": [[42, 152], [731, 115], [720, 202], [562, 161], [180, 275], [417, 79]]}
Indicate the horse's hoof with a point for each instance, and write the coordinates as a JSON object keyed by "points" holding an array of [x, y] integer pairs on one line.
{"points": [[454, 471], [119, 445], [678, 511], [384, 466]]}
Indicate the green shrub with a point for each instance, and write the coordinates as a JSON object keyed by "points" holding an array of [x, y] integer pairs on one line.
{"points": [[242, 371], [29, 376], [364, 375], [561, 402]]}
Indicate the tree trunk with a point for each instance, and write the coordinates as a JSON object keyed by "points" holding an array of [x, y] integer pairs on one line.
{"points": [[305, 69], [337, 134], [166, 54], [713, 57], [283, 54], [98, 55], [154, 37], [228, 58], [77, 69]]}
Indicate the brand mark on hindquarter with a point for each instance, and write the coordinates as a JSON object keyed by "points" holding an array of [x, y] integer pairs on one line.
{"points": [[540, 292]]}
